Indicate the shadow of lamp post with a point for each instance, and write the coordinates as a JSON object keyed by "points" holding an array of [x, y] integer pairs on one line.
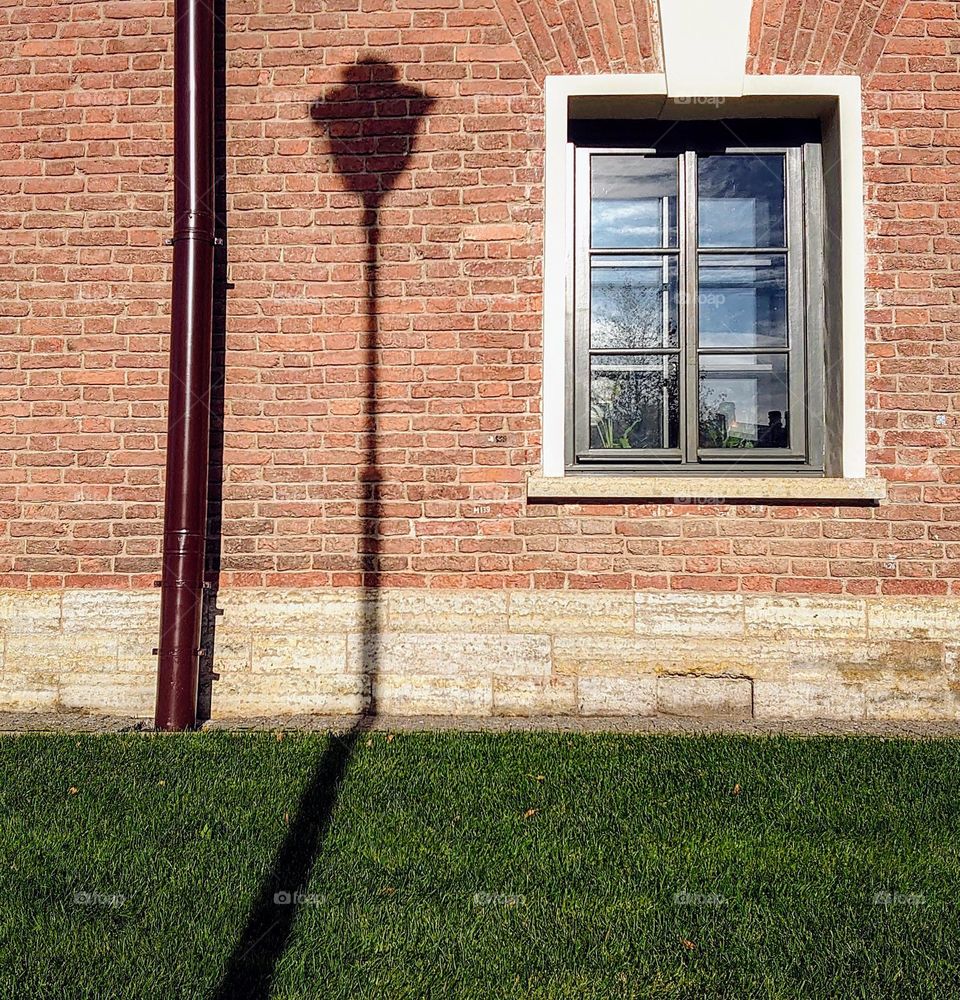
{"points": [[370, 121]]}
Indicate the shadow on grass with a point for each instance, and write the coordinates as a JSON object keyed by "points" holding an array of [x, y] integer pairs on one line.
{"points": [[370, 122]]}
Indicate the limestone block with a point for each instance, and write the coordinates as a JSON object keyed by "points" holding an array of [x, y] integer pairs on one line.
{"points": [[126, 694], [599, 654], [690, 614], [252, 694], [135, 652], [82, 652], [30, 612], [894, 697], [806, 617], [313, 610], [112, 611], [614, 655], [531, 696], [915, 618], [865, 661], [433, 694], [709, 697], [450, 655], [446, 611], [824, 698], [232, 648], [572, 612], [617, 695], [307, 654], [28, 691]]}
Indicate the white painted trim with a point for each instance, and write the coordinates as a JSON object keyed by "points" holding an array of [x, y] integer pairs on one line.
{"points": [[762, 95], [846, 91], [705, 46]]}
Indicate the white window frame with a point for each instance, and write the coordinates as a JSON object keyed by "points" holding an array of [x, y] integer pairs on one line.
{"points": [[835, 99]]}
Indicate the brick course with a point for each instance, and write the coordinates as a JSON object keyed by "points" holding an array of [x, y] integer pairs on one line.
{"points": [[395, 452]]}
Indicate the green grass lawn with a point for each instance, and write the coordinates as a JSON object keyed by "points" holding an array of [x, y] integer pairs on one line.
{"points": [[482, 866]]}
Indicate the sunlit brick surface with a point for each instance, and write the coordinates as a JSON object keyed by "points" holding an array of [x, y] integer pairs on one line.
{"points": [[427, 491]]}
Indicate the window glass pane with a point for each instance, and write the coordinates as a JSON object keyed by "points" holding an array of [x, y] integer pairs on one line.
{"points": [[633, 201], [633, 303], [741, 200], [634, 401], [742, 301], [743, 401]]}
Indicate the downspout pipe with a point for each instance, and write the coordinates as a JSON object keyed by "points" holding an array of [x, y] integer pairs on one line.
{"points": [[188, 416]]}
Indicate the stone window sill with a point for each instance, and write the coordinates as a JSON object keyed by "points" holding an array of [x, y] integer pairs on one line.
{"points": [[707, 489]]}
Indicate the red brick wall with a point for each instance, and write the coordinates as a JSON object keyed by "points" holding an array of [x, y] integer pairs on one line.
{"points": [[453, 396]]}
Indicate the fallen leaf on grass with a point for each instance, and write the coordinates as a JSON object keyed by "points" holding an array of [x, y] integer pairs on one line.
{"points": [[689, 945], [537, 777], [369, 742], [387, 890], [530, 812], [736, 789], [390, 738], [72, 790], [279, 735]]}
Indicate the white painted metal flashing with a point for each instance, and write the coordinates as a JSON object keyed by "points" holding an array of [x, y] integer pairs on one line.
{"points": [[704, 46], [761, 96]]}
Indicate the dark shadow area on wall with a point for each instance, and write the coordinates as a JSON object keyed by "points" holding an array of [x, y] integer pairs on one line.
{"points": [[218, 372], [369, 121]]}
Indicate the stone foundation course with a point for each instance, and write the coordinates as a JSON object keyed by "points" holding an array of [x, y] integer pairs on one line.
{"points": [[489, 654]]}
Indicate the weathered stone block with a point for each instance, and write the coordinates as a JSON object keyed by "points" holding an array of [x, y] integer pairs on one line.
{"points": [[126, 694], [895, 697], [531, 696], [251, 694], [617, 695], [28, 691], [572, 612], [806, 617], [307, 654], [432, 694], [915, 618], [613, 655], [30, 612], [449, 655], [112, 611], [446, 611], [62, 654], [714, 697], [602, 655], [300, 611], [233, 648], [135, 652], [690, 615], [808, 699]]}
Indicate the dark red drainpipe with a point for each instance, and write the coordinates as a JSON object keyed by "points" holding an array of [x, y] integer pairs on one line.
{"points": [[188, 419]]}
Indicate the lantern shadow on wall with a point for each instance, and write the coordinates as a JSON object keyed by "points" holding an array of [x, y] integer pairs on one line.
{"points": [[369, 122]]}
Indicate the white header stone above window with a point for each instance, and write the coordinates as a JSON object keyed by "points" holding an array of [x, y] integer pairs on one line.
{"points": [[704, 46]]}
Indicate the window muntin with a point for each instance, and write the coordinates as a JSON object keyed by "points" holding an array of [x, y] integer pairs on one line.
{"points": [[691, 339]]}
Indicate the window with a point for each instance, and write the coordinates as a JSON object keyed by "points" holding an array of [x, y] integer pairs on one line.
{"points": [[695, 339]]}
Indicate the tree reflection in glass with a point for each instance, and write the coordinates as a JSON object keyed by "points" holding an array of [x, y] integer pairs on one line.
{"points": [[634, 402]]}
